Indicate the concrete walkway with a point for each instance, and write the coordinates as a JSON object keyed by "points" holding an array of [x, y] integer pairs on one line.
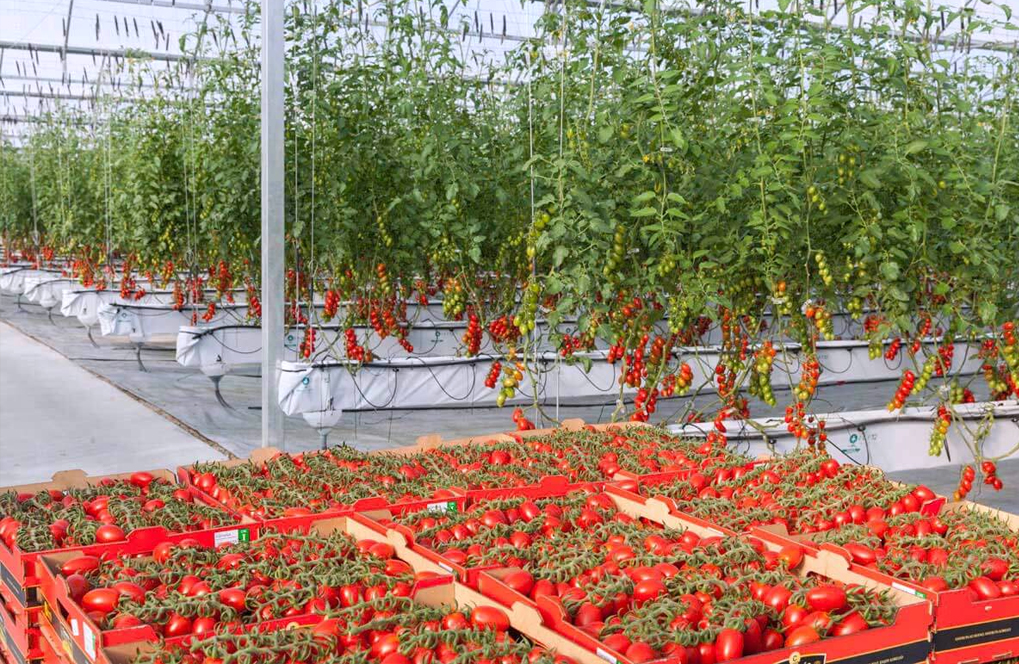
{"points": [[54, 415]]}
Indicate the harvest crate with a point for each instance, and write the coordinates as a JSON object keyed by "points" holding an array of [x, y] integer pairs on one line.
{"points": [[18, 569], [20, 627], [905, 641], [965, 630]]}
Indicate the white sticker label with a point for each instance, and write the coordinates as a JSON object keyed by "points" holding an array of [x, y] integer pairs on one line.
{"points": [[606, 656], [906, 589], [441, 507], [74, 626], [225, 537], [90, 641]]}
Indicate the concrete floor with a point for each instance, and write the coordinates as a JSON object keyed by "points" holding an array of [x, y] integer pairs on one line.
{"points": [[188, 397], [55, 415]]}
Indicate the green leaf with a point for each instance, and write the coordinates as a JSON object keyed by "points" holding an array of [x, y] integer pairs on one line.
{"points": [[869, 178], [916, 146]]}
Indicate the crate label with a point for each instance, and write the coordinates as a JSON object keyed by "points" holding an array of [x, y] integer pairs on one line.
{"points": [[909, 653], [90, 641], [74, 626], [74, 653], [12, 583], [231, 536], [608, 657], [797, 658], [973, 635], [449, 507], [907, 589]]}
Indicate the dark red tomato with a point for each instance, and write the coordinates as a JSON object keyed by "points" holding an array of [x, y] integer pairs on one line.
{"points": [[77, 586], [206, 482], [772, 640], [177, 625], [109, 533], [728, 645], [489, 617], [923, 494], [104, 600], [640, 652], [395, 658], [350, 595], [851, 624], [801, 636], [826, 598], [79, 565], [753, 637], [985, 588], [587, 614]]}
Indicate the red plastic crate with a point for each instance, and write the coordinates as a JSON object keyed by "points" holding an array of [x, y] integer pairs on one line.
{"points": [[965, 630], [20, 639], [18, 570]]}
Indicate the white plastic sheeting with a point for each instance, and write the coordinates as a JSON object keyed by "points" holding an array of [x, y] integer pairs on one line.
{"points": [[890, 441], [412, 382], [84, 303]]}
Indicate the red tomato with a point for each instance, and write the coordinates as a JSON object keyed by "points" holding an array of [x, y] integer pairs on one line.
{"points": [[177, 625], [801, 636], [235, 598], [772, 640], [141, 479], [77, 586], [132, 591], [647, 590], [387, 644], [455, 620], [102, 600], [728, 645], [79, 565], [994, 568], [161, 552], [985, 588], [203, 625], [640, 652], [109, 533], [851, 624], [778, 598], [521, 581], [125, 620], [791, 556], [489, 617], [826, 598]]}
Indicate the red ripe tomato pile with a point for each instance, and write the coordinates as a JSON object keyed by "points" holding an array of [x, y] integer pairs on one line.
{"points": [[878, 522], [647, 592], [333, 479], [101, 514], [365, 595]]}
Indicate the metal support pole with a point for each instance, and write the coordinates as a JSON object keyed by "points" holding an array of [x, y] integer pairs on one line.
{"points": [[273, 52]]}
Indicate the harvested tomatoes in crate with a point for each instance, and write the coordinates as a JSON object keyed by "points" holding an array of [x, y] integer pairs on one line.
{"points": [[181, 590], [426, 626]]}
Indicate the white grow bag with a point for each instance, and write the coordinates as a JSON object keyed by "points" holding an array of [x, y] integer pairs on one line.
{"points": [[12, 279], [140, 322], [48, 291], [428, 382], [890, 441]]}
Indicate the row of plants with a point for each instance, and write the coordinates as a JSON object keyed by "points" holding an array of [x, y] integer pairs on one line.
{"points": [[639, 174]]}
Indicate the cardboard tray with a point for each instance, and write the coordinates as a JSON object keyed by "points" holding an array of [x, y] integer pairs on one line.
{"points": [[905, 641], [18, 570]]}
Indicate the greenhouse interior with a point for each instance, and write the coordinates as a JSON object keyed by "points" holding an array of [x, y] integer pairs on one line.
{"points": [[509, 332]]}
